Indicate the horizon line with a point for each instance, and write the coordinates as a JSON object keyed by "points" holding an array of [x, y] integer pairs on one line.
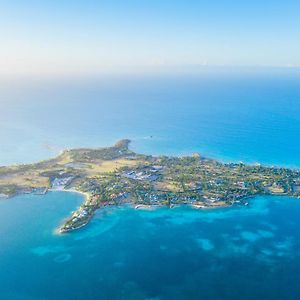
{"points": [[145, 69]]}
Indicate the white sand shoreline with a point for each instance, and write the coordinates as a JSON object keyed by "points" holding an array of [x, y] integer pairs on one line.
{"points": [[86, 195]]}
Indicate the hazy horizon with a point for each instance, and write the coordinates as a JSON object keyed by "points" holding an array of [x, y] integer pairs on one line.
{"points": [[76, 37]]}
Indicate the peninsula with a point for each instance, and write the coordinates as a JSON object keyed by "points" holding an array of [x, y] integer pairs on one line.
{"points": [[116, 176]]}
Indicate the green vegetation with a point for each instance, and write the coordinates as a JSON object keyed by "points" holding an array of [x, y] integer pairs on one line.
{"points": [[115, 176]]}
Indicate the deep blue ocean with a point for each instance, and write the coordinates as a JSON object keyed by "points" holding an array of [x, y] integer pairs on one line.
{"points": [[234, 253]]}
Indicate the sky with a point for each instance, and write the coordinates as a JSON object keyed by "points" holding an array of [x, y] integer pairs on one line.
{"points": [[79, 36]]}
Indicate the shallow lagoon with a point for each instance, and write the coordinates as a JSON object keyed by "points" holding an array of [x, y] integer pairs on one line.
{"points": [[232, 253]]}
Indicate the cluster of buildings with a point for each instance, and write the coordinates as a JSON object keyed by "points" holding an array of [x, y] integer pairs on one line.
{"points": [[60, 183], [144, 174], [118, 197], [80, 214]]}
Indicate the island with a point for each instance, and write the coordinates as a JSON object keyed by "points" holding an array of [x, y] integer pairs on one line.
{"points": [[116, 175]]}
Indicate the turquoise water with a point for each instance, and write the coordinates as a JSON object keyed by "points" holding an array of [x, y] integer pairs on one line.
{"points": [[237, 253], [234, 253], [231, 116]]}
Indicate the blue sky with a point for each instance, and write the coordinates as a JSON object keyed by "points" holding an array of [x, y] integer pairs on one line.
{"points": [[60, 36]]}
